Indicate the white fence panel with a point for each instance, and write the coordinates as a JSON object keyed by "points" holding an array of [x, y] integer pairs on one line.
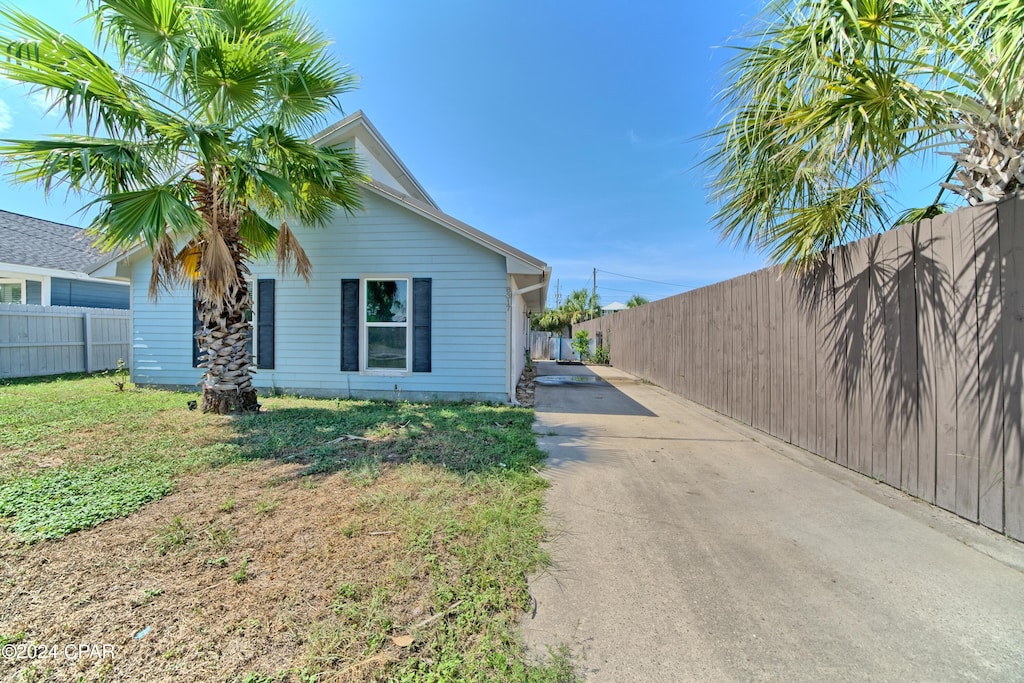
{"points": [[53, 340]]}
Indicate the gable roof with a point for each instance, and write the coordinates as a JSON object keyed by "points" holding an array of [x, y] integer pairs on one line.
{"points": [[33, 242], [357, 127]]}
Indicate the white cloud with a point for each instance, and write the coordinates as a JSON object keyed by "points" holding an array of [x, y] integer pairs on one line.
{"points": [[633, 137], [6, 120], [41, 100]]}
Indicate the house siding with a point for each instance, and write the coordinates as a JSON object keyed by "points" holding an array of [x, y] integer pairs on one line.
{"points": [[87, 294], [469, 333]]}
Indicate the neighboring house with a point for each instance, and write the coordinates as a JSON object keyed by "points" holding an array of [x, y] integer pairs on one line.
{"points": [[613, 307], [46, 264], [404, 301]]}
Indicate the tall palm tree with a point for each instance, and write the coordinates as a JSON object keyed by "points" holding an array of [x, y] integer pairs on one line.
{"points": [[194, 142], [827, 98]]}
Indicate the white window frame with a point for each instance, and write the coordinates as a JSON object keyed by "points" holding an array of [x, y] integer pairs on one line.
{"points": [[16, 281], [253, 327], [364, 327]]}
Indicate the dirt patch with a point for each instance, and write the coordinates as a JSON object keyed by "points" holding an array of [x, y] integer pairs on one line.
{"points": [[223, 577]]}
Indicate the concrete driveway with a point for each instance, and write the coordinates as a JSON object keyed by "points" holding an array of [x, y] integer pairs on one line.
{"points": [[688, 547]]}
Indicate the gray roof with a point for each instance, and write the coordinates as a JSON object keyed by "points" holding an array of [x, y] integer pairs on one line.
{"points": [[34, 242]]}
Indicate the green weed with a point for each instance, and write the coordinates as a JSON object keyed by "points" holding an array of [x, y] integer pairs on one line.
{"points": [[171, 536], [242, 575]]}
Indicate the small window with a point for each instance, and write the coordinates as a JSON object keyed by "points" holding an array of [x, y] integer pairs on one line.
{"points": [[11, 291], [386, 326]]}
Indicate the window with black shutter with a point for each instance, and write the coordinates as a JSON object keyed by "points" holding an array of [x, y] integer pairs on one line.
{"points": [[378, 334]]}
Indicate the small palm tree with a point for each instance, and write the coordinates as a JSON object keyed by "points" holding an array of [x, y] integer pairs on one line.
{"points": [[829, 97], [637, 300], [194, 143], [580, 305]]}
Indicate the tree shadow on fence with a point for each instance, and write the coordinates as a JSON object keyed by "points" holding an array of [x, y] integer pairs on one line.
{"points": [[921, 330]]}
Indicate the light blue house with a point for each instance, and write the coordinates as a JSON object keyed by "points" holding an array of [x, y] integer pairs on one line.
{"points": [[458, 300]]}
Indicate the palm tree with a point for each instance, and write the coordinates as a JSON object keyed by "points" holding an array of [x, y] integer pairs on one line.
{"points": [[829, 97], [195, 143], [637, 300], [581, 304]]}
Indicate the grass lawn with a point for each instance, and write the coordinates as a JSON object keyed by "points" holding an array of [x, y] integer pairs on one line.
{"points": [[317, 541]]}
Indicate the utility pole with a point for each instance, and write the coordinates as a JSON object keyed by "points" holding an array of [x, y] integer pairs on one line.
{"points": [[558, 293], [593, 296]]}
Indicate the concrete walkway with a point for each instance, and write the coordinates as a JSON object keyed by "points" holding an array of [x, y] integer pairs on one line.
{"points": [[688, 547]]}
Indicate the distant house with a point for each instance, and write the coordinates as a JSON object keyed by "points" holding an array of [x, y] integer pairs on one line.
{"points": [[613, 307], [405, 301], [46, 263]]}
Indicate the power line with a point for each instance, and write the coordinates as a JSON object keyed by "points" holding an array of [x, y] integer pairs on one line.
{"points": [[633, 277], [624, 291]]}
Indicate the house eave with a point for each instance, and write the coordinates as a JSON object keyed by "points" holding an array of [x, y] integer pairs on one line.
{"points": [[46, 272]]}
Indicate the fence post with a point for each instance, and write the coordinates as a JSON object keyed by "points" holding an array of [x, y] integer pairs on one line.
{"points": [[87, 339]]}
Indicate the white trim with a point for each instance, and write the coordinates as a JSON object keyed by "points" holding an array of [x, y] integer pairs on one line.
{"points": [[50, 272], [364, 340]]}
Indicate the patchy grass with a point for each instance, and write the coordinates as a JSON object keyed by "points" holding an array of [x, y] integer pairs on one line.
{"points": [[316, 541], [75, 452]]}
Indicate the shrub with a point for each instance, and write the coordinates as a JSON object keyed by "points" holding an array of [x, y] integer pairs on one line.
{"points": [[581, 344]]}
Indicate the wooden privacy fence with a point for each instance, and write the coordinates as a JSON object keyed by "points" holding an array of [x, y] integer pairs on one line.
{"points": [[902, 358], [51, 340]]}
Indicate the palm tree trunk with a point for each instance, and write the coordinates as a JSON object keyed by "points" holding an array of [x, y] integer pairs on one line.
{"points": [[991, 161], [222, 304], [224, 340]]}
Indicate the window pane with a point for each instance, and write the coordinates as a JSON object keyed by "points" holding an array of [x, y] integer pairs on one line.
{"points": [[386, 301], [10, 292], [386, 347]]}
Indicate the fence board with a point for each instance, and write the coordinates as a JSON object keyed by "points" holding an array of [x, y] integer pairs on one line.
{"points": [[827, 344], [965, 323], [928, 350], [888, 398], [1011, 242], [872, 377], [775, 351], [748, 292], [990, 368], [945, 305], [762, 359], [906, 238], [854, 314]]}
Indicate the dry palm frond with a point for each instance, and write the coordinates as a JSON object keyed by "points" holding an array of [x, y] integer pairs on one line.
{"points": [[217, 266], [168, 267], [288, 251]]}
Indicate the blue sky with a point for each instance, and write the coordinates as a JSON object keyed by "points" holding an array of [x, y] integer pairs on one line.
{"points": [[567, 129]]}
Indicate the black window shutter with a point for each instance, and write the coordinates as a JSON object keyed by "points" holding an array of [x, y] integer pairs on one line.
{"points": [[350, 325], [265, 324], [195, 327], [421, 324]]}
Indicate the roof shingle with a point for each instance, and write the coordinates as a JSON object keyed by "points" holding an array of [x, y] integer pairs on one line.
{"points": [[34, 242]]}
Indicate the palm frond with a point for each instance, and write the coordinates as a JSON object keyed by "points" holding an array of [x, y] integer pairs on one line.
{"points": [[146, 214], [828, 96]]}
